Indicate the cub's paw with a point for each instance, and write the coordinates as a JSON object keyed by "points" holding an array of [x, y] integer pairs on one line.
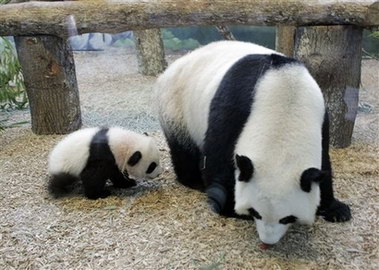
{"points": [[126, 184], [216, 198], [336, 212], [105, 194], [95, 195]]}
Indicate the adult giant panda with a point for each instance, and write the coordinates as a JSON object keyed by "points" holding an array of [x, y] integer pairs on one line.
{"points": [[94, 155], [248, 126]]}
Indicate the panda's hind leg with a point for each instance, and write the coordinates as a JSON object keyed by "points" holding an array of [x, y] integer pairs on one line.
{"points": [[186, 158]]}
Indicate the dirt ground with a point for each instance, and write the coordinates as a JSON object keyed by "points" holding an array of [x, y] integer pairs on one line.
{"points": [[160, 224]]}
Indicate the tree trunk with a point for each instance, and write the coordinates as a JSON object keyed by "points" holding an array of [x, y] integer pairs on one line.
{"points": [[285, 39], [150, 52], [333, 56], [49, 72]]}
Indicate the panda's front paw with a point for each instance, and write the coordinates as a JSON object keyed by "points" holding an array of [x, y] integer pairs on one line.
{"points": [[336, 212], [125, 184], [214, 205], [105, 193], [216, 197], [96, 195]]}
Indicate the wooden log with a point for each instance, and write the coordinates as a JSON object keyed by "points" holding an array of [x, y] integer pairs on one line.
{"points": [[333, 56], [50, 18], [285, 39], [150, 52], [49, 73]]}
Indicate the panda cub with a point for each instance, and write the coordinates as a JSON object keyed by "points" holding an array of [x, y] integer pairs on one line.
{"points": [[249, 126], [94, 155]]}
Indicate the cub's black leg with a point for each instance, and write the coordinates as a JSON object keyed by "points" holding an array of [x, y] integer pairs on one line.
{"points": [[120, 180], [330, 208], [186, 161], [94, 178]]}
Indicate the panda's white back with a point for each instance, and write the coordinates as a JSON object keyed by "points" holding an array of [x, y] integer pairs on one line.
{"points": [[71, 154], [285, 126], [187, 101]]}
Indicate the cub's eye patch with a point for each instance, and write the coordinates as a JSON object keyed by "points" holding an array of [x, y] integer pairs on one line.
{"points": [[151, 168], [288, 220], [254, 213]]}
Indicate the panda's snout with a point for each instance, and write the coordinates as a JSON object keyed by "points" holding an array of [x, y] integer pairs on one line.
{"points": [[270, 234]]}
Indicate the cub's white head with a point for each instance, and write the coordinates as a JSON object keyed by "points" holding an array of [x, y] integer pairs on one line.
{"points": [[144, 162], [276, 198], [135, 154]]}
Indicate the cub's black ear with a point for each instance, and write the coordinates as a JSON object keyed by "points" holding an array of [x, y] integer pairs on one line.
{"points": [[133, 160], [311, 175], [246, 168], [146, 134]]}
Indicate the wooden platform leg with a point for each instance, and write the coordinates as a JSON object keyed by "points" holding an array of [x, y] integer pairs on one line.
{"points": [[333, 56], [150, 52], [49, 72], [285, 39]]}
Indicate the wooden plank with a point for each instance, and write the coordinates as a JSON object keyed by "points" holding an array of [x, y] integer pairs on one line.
{"points": [[54, 18], [333, 56], [50, 80]]}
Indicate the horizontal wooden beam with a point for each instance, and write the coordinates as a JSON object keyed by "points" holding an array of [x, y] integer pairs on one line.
{"points": [[111, 16]]}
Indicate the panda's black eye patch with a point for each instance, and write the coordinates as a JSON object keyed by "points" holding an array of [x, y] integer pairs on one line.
{"points": [[151, 167], [133, 160], [288, 220], [254, 213]]}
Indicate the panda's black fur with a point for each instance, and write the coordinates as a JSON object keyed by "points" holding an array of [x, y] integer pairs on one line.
{"points": [[212, 170], [100, 166]]}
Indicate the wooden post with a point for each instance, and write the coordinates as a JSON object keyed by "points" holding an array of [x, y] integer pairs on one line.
{"points": [[285, 39], [49, 72], [333, 57], [150, 51]]}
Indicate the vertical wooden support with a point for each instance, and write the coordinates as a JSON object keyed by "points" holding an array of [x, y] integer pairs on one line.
{"points": [[285, 39], [150, 51], [333, 57], [49, 72]]}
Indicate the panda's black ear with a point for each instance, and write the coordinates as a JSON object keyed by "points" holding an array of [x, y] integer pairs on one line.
{"points": [[133, 160], [246, 168], [311, 175], [146, 134]]}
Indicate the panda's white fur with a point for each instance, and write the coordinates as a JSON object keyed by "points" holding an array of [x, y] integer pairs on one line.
{"points": [[70, 155], [281, 143], [186, 101], [94, 155], [124, 143]]}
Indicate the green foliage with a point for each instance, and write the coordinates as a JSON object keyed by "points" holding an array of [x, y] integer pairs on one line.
{"points": [[371, 43], [264, 36], [374, 34], [171, 42], [3, 2], [12, 89], [128, 43]]}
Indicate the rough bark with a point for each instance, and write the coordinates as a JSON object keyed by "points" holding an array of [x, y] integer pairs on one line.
{"points": [[333, 56], [150, 52], [285, 39], [50, 18], [49, 72]]}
